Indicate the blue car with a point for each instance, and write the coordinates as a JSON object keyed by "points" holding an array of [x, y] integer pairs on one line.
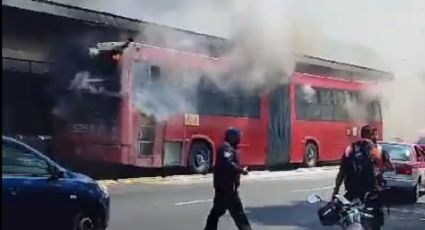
{"points": [[37, 193]]}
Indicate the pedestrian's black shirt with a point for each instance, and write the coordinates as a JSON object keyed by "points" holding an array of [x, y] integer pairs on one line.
{"points": [[227, 169]]}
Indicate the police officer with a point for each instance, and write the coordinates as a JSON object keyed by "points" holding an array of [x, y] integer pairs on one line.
{"points": [[380, 157], [227, 173], [357, 171]]}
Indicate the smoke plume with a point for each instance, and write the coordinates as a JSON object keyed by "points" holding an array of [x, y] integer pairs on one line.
{"points": [[260, 56], [164, 97], [309, 93], [404, 51]]}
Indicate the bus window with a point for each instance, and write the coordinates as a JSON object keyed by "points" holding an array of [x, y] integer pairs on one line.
{"points": [[340, 111], [374, 111], [91, 108], [211, 100], [326, 107], [99, 74], [154, 73], [93, 95], [307, 105], [331, 105]]}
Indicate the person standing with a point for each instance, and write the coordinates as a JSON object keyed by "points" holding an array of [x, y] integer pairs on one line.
{"points": [[357, 171], [381, 158], [227, 171]]}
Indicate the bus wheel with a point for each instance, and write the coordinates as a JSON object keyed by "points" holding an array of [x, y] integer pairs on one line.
{"points": [[310, 155], [199, 158]]}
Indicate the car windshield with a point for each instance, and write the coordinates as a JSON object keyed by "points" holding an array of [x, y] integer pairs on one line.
{"points": [[397, 152]]}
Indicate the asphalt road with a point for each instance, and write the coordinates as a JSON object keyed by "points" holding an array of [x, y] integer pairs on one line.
{"points": [[277, 203]]}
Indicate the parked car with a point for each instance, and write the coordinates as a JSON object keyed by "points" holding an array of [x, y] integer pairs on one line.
{"points": [[37, 193], [409, 168]]}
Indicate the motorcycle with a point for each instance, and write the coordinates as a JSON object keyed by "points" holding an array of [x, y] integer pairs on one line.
{"points": [[339, 211]]}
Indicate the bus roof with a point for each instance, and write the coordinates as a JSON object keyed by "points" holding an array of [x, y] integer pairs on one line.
{"points": [[324, 67], [304, 64]]}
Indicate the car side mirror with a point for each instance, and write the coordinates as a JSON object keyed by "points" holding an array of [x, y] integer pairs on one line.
{"points": [[57, 173]]}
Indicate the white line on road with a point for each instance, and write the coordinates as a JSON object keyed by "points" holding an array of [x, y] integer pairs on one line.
{"points": [[314, 189], [288, 178], [409, 210], [193, 202]]}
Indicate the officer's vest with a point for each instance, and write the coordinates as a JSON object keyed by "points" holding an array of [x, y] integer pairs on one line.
{"points": [[377, 157]]}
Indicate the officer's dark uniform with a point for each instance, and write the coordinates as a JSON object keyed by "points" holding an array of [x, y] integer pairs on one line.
{"points": [[357, 189], [227, 173]]}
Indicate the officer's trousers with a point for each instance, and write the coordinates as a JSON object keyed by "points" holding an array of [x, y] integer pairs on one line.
{"points": [[378, 214], [230, 201]]}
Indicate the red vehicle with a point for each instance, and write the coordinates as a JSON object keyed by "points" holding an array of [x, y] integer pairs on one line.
{"points": [[409, 168], [305, 121]]}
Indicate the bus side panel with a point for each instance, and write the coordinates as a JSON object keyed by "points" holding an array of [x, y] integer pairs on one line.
{"points": [[279, 126], [330, 137], [253, 142], [175, 146]]}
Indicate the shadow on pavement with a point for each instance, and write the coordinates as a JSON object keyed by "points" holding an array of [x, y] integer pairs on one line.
{"points": [[404, 215], [298, 214], [302, 215]]}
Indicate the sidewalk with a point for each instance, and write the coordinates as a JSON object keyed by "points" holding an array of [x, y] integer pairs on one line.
{"points": [[254, 175]]}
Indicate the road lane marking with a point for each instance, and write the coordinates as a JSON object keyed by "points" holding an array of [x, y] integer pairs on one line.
{"points": [[314, 189], [193, 202], [290, 178], [410, 211]]}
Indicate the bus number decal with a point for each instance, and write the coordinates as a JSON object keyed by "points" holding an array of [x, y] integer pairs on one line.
{"points": [[191, 119], [79, 128], [348, 131], [355, 131]]}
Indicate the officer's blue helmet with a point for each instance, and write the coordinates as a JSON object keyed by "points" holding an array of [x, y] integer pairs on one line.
{"points": [[232, 134]]}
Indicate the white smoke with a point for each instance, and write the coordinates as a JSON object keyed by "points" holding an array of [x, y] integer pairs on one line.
{"points": [[82, 81], [404, 49], [165, 96], [261, 55], [309, 93], [404, 105], [395, 31]]}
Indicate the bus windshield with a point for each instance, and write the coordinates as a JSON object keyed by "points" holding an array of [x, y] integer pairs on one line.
{"points": [[93, 95], [99, 75]]}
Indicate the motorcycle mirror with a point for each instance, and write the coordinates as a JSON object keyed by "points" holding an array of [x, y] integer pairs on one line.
{"points": [[312, 199]]}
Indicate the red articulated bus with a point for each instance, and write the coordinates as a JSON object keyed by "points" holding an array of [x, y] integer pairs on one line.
{"points": [[304, 121]]}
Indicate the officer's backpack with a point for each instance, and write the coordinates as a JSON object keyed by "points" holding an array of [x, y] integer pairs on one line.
{"points": [[360, 175]]}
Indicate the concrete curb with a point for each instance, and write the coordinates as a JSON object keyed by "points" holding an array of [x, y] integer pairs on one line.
{"points": [[192, 179]]}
